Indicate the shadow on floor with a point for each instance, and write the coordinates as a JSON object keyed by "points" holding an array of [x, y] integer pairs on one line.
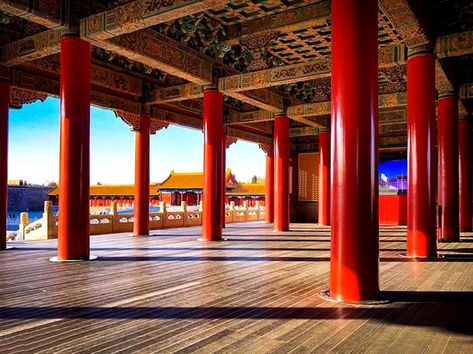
{"points": [[442, 310]]}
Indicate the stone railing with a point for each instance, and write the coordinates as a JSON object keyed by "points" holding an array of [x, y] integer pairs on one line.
{"points": [[114, 222]]}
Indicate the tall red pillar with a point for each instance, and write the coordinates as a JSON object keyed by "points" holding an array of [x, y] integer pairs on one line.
{"points": [[448, 167], [421, 229], [281, 174], [141, 208], [213, 137], [4, 105], [224, 170], [465, 173], [354, 261], [74, 179], [324, 177], [269, 193]]}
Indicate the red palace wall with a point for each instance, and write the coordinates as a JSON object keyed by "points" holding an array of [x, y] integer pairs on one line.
{"points": [[393, 209]]}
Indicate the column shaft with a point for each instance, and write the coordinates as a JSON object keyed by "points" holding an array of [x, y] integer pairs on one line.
{"points": [[141, 209], [213, 137], [269, 194], [354, 264], [324, 178], [421, 238], [74, 179], [465, 173], [281, 174], [224, 170], [448, 165], [4, 105]]}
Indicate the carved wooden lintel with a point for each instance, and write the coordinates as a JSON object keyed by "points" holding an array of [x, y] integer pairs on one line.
{"points": [[303, 131], [262, 98], [176, 118], [51, 14], [248, 136], [466, 90]]}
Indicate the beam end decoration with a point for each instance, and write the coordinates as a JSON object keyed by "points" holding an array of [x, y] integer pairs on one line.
{"points": [[20, 97]]}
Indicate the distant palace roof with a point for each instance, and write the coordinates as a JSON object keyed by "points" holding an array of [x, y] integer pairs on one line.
{"points": [[249, 189], [192, 180]]}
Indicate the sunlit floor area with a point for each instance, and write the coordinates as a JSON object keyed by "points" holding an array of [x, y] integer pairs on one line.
{"points": [[255, 292]]}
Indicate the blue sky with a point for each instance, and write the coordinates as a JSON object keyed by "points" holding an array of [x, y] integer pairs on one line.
{"points": [[34, 148]]}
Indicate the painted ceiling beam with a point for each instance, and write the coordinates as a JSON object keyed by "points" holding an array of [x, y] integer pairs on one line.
{"points": [[247, 136], [262, 98], [50, 87], [390, 100], [32, 47], [161, 52], [40, 12], [140, 14], [303, 131], [466, 91], [454, 45], [249, 117], [402, 17], [281, 75], [288, 21], [176, 93]]}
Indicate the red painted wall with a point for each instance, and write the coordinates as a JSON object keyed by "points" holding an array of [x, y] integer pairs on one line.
{"points": [[393, 210]]}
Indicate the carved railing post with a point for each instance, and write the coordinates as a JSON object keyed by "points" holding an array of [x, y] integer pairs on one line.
{"points": [[49, 222], [162, 210], [232, 210], [184, 211], [24, 220], [115, 216]]}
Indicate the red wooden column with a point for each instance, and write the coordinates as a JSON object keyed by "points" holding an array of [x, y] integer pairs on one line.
{"points": [[281, 173], [74, 179], [141, 208], [421, 238], [224, 171], [448, 166], [4, 105], [354, 265], [465, 173], [324, 177], [213, 142], [269, 194]]}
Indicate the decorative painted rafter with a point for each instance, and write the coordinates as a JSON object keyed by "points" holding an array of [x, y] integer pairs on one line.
{"points": [[292, 20], [133, 120], [46, 13], [140, 14], [276, 76], [455, 44], [404, 20], [391, 100], [249, 117], [20, 97], [33, 47]]}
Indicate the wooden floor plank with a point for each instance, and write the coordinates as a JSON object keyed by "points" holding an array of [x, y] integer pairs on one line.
{"points": [[256, 292]]}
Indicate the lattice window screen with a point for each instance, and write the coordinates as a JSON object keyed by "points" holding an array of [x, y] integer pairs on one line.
{"points": [[308, 177]]}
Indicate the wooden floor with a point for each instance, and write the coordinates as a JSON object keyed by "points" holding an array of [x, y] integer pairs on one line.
{"points": [[255, 293]]}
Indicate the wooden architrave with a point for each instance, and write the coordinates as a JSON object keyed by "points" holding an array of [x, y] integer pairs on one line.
{"points": [[454, 44], [249, 117], [466, 90], [50, 87], [390, 100], [46, 13], [176, 93], [247, 136], [303, 131], [281, 75]]}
